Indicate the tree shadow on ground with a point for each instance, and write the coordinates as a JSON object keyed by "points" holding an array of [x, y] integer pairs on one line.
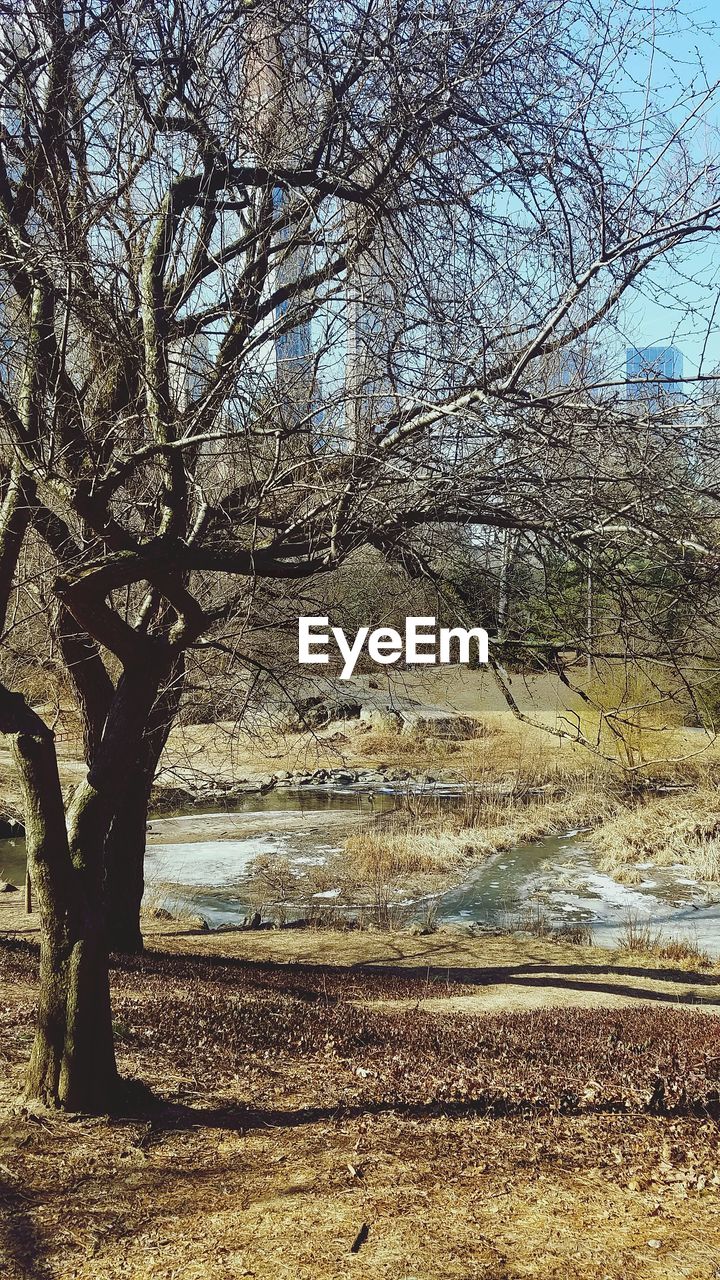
{"points": [[388, 980], [380, 979], [22, 1252], [241, 1119]]}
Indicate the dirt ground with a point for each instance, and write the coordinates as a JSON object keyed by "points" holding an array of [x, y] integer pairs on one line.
{"points": [[218, 1196], [308, 1085]]}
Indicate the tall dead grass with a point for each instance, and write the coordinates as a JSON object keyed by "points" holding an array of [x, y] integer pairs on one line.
{"points": [[630, 717], [627, 746], [502, 750], [416, 748], [640, 938], [680, 828], [432, 840]]}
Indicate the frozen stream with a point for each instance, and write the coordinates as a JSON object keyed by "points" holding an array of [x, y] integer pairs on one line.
{"points": [[559, 876], [200, 862]]}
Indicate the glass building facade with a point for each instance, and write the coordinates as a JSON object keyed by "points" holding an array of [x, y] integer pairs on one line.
{"points": [[653, 373]]}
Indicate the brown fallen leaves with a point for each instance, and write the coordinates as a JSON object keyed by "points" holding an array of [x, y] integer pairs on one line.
{"points": [[223, 1023]]}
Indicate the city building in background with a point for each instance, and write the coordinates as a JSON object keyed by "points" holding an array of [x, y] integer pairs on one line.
{"points": [[654, 374], [189, 370], [293, 343], [277, 118], [375, 324]]}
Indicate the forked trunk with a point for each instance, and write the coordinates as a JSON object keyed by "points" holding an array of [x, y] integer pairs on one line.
{"points": [[72, 1064]]}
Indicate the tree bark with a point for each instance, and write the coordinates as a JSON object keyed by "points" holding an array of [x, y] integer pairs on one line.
{"points": [[125, 867], [15, 510], [91, 684], [127, 836], [72, 1064]]}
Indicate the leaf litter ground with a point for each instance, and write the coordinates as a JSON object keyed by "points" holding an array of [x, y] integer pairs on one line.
{"points": [[303, 1109]]}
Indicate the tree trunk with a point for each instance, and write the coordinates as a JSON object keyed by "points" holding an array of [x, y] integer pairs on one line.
{"points": [[72, 1064], [127, 837], [125, 868]]}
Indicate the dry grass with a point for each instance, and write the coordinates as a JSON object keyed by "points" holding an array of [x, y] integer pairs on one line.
{"points": [[635, 717], [407, 748], [505, 751], [535, 921], [405, 852], [416, 852], [522, 755], [425, 847], [665, 830], [629, 726], [154, 906], [640, 938], [438, 841], [635, 723]]}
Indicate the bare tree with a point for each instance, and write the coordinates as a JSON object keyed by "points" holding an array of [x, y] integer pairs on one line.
{"points": [[148, 435]]}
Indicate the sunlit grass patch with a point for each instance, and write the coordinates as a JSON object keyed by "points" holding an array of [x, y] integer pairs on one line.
{"points": [[665, 830]]}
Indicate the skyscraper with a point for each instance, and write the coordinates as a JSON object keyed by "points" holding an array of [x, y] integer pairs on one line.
{"points": [[375, 324], [653, 374], [293, 346], [276, 134]]}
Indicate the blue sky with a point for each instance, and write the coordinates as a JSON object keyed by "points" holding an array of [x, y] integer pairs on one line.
{"points": [[683, 306]]}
